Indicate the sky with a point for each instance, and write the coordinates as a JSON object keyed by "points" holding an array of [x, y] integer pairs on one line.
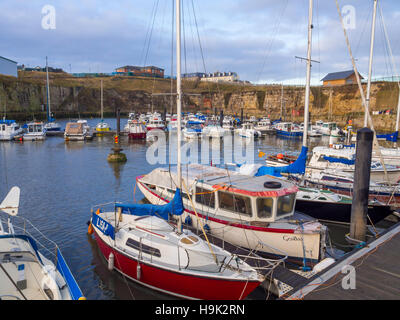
{"points": [[258, 39]]}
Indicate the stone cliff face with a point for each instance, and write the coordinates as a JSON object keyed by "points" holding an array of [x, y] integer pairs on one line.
{"points": [[25, 97]]}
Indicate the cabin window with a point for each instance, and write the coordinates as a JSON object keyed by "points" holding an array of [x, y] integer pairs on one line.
{"points": [[3, 127], [321, 198], [145, 248], [264, 207], [234, 203], [205, 197], [285, 204]]}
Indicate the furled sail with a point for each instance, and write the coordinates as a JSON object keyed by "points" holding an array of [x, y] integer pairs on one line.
{"points": [[174, 207]]}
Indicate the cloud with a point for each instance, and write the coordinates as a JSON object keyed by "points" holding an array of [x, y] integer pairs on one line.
{"points": [[258, 39]]}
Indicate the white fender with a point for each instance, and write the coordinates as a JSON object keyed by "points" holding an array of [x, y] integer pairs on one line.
{"points": [[111, 261]]}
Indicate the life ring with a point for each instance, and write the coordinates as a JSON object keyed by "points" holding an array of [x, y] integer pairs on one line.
{"points": [[272, 185]]}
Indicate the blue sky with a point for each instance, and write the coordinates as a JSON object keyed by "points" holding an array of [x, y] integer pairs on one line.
{"points": [[258, 39]]}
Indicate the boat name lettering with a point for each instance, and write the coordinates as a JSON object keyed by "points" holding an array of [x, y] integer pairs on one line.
{"points": [[292, 238], [102, 225]]}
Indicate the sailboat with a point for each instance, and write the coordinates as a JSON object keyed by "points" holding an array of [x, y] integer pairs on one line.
{"points": [[257, 213], [25, 272], [139, 242], [51, 127], [102, 126], [319, 173]]}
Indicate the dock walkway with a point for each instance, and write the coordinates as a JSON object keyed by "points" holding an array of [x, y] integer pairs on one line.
{"points": [[376, 271]]}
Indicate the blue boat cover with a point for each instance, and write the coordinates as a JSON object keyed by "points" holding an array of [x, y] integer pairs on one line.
{"points": [[63, 268], [338, 160], [7, 122], [174, 207], [389, 137], [299, 166]]}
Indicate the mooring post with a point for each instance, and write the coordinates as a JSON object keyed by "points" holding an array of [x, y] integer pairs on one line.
{"points": [[118, 121], [221, 117], [117, 155], [359, 207]]}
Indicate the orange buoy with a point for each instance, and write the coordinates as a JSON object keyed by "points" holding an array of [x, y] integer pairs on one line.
{"points": [[279, 156], [90, 229]]}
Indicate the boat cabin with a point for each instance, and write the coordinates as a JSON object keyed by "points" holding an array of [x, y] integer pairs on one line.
{"points": [[35, 127], [237, 197]]}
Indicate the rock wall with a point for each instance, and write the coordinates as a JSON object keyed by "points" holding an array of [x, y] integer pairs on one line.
{"points": [[24, 98]]}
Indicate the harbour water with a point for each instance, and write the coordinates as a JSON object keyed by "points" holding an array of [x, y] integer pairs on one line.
{"points": [[60, 181]]}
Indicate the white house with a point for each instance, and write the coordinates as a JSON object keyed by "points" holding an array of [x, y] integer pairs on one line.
{"points": [[220, 77], [8, 67]]}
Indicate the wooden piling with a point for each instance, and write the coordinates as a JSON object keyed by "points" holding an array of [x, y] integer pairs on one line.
{"points": [[359, 207]]}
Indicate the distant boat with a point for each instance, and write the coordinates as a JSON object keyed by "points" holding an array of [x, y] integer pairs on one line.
{"points": [[265, 126], [51, 126], [136, 130], [288, 129], [192, 130], [9, 129], [77, 131], [102, 126], [248, 131], [35, 131], [25, 273]]}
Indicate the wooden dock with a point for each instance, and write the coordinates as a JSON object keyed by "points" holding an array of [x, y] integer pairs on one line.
{"points": [[376, 273]]}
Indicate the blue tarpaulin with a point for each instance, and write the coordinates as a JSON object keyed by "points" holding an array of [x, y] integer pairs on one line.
{"points": [[389, 137], [339, 160], [174, 207], [299, 166], [7, 122]]}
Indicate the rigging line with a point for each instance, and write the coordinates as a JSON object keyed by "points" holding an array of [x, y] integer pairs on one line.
{"points": [[363, 98], [159, 44], [184, 34], [201, 49], [275, 33], [151, 33], [147, 32]]}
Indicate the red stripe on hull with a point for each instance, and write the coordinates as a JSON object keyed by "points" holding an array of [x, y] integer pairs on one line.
{"points": [[137, 136], [154, 128], [175, 283]]}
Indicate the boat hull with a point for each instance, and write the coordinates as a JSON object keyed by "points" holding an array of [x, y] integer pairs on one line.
{"points": [[340, 212], [137, 136], [289, 133], [180, 284]]}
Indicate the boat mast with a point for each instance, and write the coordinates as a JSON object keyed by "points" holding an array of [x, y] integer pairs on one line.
{"points": [[307, 94], [48, 92], [101, 101], [371, 53], [178, 87]]}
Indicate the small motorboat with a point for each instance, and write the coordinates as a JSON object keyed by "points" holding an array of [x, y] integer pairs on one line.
{"points": [[35, 132], [9, 129]]}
